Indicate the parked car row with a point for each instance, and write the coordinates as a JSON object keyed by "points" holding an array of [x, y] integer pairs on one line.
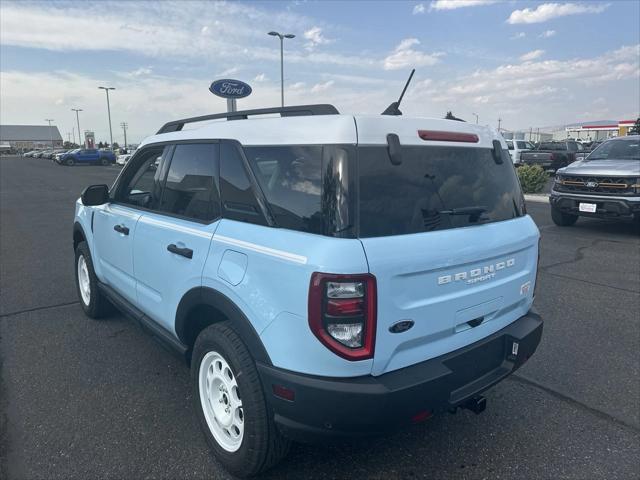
{"points": [[44, 153]]}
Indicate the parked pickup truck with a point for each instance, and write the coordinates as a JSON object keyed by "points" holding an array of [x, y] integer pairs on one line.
{"points": [[552, 155], [606, 184], [517, 148], [88, 156]]}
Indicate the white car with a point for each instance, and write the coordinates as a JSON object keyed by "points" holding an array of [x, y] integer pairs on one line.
{"points": [[516, 147], [123, 159]]}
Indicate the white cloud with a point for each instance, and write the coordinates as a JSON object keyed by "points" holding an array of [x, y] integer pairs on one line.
{"points": [[297, 86], [518, 36], [418, 9], [548, 11], [405, 56], [315, 37], [228, 71], [454, 4], [547, 34], [552, 80], [532, 55], [261, 77], [234, 32], [321, 87]]}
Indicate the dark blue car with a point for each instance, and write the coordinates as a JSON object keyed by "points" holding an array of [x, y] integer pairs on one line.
{"points": [[87, 156]]}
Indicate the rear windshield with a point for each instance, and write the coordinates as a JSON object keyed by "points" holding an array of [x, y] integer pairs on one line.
{"points": [[435, 188]]}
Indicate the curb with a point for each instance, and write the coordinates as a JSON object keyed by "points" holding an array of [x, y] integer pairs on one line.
{"points": [[540, 198]]}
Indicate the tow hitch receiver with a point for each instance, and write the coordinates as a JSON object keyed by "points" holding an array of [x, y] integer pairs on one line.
{"points": [[476, 404]]}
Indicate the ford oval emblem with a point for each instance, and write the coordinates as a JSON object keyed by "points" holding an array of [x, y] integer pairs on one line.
{"points": [[228, 88], [401, 326], [592, 184]]}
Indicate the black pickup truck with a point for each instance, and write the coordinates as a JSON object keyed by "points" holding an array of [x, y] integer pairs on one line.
{"points": [[552, 155]]}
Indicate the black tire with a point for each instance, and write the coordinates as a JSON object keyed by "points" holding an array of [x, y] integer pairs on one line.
{"points": [[98, 305], [104, 162], [562, 219], [69, 162], [262, 445]]}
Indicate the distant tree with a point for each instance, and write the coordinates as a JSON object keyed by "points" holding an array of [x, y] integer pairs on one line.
{"points": [[451, 116], [635, 130], [69, 145], [101, 145], [115, 145]]}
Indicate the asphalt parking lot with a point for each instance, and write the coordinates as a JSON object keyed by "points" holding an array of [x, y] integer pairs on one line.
{"points": [[82, 399]]}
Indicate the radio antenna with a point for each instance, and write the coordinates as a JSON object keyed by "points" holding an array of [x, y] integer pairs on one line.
{"points": [[394, 108]]}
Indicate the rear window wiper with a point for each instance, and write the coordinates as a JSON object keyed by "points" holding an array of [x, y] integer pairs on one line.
{"points": [[473, 212]]}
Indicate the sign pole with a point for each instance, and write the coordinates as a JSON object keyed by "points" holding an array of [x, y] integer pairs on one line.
{"points": [[232, 105]]}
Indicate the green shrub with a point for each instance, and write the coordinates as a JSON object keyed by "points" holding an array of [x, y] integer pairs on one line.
{"points": [[533, 178]]}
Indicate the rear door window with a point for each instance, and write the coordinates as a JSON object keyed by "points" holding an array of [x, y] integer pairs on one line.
{"points": [[435, 188], [191, 186], [239, 201]]}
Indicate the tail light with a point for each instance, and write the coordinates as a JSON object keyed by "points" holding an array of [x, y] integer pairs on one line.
{"points": [[342, 313], [552, 157]]}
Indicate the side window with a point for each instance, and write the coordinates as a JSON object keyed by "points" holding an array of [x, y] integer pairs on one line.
{"points": [[191, 187], [238, 200], [144, 186], [509, 144], [291, 179]]}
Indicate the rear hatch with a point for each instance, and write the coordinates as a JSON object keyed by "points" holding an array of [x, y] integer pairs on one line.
{"points": [[447, 238]]}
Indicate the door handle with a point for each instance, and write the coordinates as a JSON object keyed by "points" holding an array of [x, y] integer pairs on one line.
{"points": [[121, 229], [185, 252]]}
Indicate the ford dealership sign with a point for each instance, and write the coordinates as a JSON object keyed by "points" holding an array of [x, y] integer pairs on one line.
{"points": [[227, 88]]}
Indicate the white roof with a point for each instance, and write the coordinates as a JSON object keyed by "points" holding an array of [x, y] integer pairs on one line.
{"points": [[329, 129]]}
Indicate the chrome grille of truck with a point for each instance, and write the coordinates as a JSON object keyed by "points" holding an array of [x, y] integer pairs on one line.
{"points": [[596, 185]]}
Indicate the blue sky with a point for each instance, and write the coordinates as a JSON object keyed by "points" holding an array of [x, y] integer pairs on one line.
{"points": [[530, 63]]}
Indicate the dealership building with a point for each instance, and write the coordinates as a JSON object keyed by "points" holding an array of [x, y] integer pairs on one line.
{"points": [[599, 130], [29, 137]]}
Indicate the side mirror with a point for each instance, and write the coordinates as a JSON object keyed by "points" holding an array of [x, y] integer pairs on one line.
{"points": [[95, 195]]}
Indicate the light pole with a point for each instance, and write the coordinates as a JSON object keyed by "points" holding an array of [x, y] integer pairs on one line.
{"points": [[499, 123], [49, 120], [106, 89], [282, 37], [124, 126], [476, 115], [78, 120]]}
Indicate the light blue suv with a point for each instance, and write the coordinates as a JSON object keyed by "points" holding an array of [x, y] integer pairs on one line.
{"points": [[323, 274]]}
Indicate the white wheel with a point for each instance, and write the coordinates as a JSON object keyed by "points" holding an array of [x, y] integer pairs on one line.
{"points": [[221, 403], [84, 282]]}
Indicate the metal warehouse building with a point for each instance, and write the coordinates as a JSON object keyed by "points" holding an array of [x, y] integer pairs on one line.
{"points": [[30, 137]]}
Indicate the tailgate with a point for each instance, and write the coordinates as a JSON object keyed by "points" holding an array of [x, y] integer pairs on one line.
{"points": [[535, 157], [457, 286]]}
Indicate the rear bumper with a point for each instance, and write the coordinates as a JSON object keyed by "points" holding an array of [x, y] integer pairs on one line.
{"points": [[368, 405], [606, 207]]}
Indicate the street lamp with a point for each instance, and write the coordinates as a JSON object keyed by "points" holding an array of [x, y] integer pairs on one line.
{"points": [[476, 115], [78, 120], [282, 37], [106, 89], [49, 120]]}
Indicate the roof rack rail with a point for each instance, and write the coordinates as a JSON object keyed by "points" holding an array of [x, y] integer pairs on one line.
{"points": [[293, 111]]}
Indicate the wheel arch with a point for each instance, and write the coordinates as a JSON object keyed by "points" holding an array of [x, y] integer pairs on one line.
{"points": [[78, 235], [204, 306]]}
